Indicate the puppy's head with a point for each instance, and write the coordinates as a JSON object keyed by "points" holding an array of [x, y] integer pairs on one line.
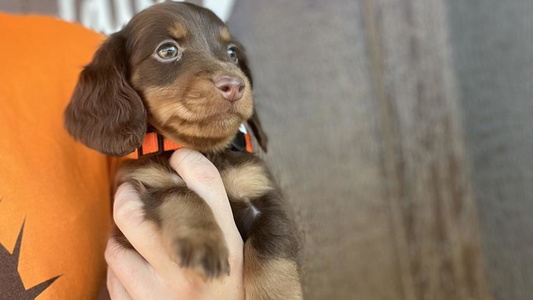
{"points": [[174, 66]]}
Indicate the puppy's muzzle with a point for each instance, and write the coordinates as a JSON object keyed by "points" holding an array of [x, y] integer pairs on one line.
{"points": [[230, 87]]}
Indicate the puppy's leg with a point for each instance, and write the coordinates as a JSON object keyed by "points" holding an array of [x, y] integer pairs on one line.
{"points": [[188, 225], [271, 248], [270, 253], [190, 231]]}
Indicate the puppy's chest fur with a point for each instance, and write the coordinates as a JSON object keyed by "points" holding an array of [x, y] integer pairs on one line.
{"points": [[246, 179]]}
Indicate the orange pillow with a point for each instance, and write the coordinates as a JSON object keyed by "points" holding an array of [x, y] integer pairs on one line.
{"points": [[56, 187]]}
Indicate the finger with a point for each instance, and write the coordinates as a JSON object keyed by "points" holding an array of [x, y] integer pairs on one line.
{"points": [[202, 177], [115, 288], [144, 235], [134, 273]]}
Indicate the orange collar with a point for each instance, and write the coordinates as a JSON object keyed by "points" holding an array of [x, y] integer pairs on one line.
{"points": [[154, 143]]}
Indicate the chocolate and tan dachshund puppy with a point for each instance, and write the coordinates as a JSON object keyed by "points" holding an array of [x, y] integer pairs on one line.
{"points": [[175, 70]]}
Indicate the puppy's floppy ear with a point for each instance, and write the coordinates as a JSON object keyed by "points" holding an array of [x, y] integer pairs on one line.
{"points": [[243, 63], [105, 112], [257, 129], [253, 122]]}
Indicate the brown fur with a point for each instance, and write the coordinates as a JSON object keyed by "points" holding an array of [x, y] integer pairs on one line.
{"points": [[105, 112], [126, 87], [266, 279]]}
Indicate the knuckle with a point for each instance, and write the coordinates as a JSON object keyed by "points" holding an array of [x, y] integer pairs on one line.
{"points": [[112, 251], [128, 214]]}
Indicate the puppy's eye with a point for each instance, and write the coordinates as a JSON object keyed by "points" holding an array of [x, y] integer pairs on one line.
{"points": [[168, 51], [232, 54]]}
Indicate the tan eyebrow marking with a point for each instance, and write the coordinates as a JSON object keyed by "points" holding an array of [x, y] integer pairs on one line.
{"points": [[178, 31], [224, 34]]}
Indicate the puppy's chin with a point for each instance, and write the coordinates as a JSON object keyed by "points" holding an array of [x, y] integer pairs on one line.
{"points": [[211, 135]]}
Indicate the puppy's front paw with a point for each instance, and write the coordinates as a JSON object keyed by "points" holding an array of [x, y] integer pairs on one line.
{"points": [[204, 252], [192, 234]]}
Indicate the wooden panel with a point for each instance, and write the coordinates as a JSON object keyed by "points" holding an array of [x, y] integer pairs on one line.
{"points": [[493, 51], [434, 213]]}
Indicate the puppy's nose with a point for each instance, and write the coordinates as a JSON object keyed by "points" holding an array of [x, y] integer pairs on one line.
{"points": [[231, 88]]}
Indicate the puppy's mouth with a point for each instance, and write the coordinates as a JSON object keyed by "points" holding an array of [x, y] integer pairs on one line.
{"points": [[202, 132], [204, 117], [204, 107]]}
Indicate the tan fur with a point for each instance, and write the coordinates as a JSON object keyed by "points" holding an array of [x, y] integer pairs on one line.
{"points": [[224, 34], [153, 175], [269, 278], [192, 235], [201, 103], [136, 77], [178, 31], [160, 102], [197, 115], [247, 181]]}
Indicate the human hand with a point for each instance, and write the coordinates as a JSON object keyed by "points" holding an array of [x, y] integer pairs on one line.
{"points": [[149, 273]]}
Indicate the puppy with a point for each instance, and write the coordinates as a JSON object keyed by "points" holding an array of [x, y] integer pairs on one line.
{"points": [[175, 72]]}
